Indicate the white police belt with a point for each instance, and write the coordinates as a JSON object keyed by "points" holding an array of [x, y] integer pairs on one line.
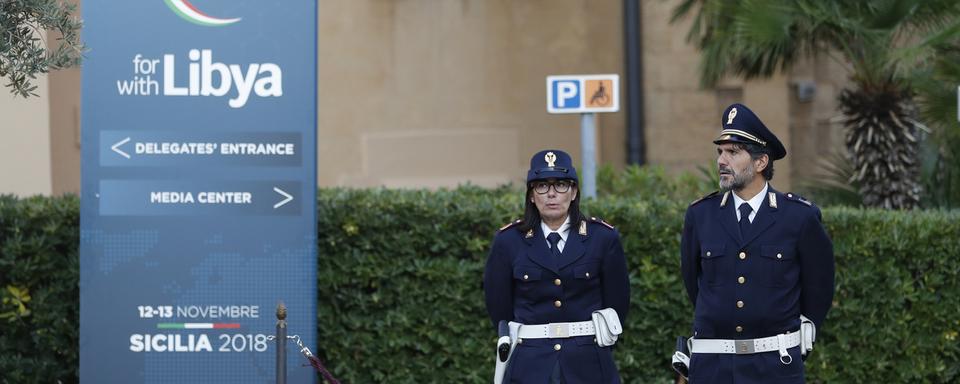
{"points": [[605, 324], [557, 330], [778, 343]]}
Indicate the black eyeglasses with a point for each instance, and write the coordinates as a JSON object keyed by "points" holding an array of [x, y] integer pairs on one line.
{"points": [[561, 186]]}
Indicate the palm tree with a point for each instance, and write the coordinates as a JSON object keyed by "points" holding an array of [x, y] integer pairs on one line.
{"points": [[937, 90], [881, 43]]}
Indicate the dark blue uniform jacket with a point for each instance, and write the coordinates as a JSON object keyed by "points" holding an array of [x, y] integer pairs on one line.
{"points": [[756, 284], [524, 283]]}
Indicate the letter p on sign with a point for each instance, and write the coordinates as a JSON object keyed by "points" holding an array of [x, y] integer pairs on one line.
{"points": [[567, 94]]}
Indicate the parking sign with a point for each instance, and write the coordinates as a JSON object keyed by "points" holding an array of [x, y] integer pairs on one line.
{"points": [[583, 93]]}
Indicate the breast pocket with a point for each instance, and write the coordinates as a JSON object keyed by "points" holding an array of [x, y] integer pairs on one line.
{"points": [[588, 271], [526, 279], [780, 265], [713, 263], [526, 274]]}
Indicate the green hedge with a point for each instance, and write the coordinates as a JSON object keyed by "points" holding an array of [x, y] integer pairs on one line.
{"points": [[400, 299], [39, 264]]}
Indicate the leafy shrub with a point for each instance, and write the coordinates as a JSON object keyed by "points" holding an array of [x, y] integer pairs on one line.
{"points": [[39, 241], [400, 299]]}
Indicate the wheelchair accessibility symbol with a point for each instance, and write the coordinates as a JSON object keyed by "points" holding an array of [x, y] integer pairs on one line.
{"points": [[599, 91]]}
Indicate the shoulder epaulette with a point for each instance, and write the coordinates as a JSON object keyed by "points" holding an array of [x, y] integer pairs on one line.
{"points": [[795, 197], [600, 221], [712, 194], [510, 224]]}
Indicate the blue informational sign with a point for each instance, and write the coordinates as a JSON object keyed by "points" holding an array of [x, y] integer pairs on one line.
{"points": [[198, 210]]}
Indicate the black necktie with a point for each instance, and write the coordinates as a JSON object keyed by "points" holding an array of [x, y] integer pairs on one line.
{"points": [[554, 239], [745, 210]]}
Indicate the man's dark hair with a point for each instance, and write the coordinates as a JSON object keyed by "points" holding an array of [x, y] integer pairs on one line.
{"points": [[756, 151], [531, 216]]}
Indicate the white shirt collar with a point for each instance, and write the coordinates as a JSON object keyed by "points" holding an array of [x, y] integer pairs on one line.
{"points": [[754, 202], [564, 230]]}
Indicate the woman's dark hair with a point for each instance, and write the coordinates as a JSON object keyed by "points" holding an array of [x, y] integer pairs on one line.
{"points": [[531, 216], [755, 152]]}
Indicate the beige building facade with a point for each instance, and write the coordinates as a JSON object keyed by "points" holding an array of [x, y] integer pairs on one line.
{"points": [[436, 93]]}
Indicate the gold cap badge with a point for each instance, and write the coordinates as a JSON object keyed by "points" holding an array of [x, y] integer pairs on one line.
{"points": [[550, 158], [731, 115]]}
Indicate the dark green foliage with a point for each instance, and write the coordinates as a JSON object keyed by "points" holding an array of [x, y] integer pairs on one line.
{"points": [[651, 180], [831, 186], [399, 283], [400, 298], [39, 240], [24, 53], [894, 318], [937, 88]]}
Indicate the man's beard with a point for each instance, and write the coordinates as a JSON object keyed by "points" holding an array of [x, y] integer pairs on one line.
{"points": [[740, 179]]}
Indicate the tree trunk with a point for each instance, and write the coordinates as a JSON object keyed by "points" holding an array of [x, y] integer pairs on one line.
{"points": [[882, 141]]}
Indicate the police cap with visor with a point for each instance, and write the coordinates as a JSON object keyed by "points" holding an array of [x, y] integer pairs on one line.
{"points": [[551, 164], [740, 125]]}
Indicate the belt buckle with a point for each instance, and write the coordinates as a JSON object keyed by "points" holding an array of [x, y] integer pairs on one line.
{"points": [[744, 347], [558, 330]]}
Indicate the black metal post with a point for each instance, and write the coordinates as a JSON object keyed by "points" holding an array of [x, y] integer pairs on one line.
{"points": [[281, 343], [633, 68]]}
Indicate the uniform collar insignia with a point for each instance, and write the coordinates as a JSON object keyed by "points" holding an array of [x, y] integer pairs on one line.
{"points": [[583, 227], [529, 234], [773, 199], [723, 202]]}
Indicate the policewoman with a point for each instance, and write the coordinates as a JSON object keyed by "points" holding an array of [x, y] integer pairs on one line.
{"points": [[556, 276], [754, 260]]}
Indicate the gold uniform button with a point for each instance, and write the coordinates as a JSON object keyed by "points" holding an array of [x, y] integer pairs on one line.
{"points": [[739, 304], [557, 303], [743, 255], [556, 282], [741, 280], [519, 341], [556, 347], [588, 275], [526, 277], [708, 253], [779, 255], [739, 329]]}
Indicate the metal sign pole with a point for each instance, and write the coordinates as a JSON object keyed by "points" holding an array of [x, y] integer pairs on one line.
{"points": [[586, 95], [588, 140], [281, 344]]}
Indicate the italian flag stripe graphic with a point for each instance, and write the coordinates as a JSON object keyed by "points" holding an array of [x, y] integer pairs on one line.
{"points": [[198, 325]]}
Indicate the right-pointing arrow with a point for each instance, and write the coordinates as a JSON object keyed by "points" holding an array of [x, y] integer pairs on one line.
{"points": [[286, 198], [116, 147]]}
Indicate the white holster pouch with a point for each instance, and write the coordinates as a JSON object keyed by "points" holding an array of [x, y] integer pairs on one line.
{"points": [[808, 334], [501, 366], [607, 325]]}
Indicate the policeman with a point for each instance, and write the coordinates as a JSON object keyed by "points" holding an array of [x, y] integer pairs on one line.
{"points": [[551, 274], [753, 261]]}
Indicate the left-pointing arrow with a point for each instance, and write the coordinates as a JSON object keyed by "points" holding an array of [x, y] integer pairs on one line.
{"points": [[286, 198], [116, 147]]}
